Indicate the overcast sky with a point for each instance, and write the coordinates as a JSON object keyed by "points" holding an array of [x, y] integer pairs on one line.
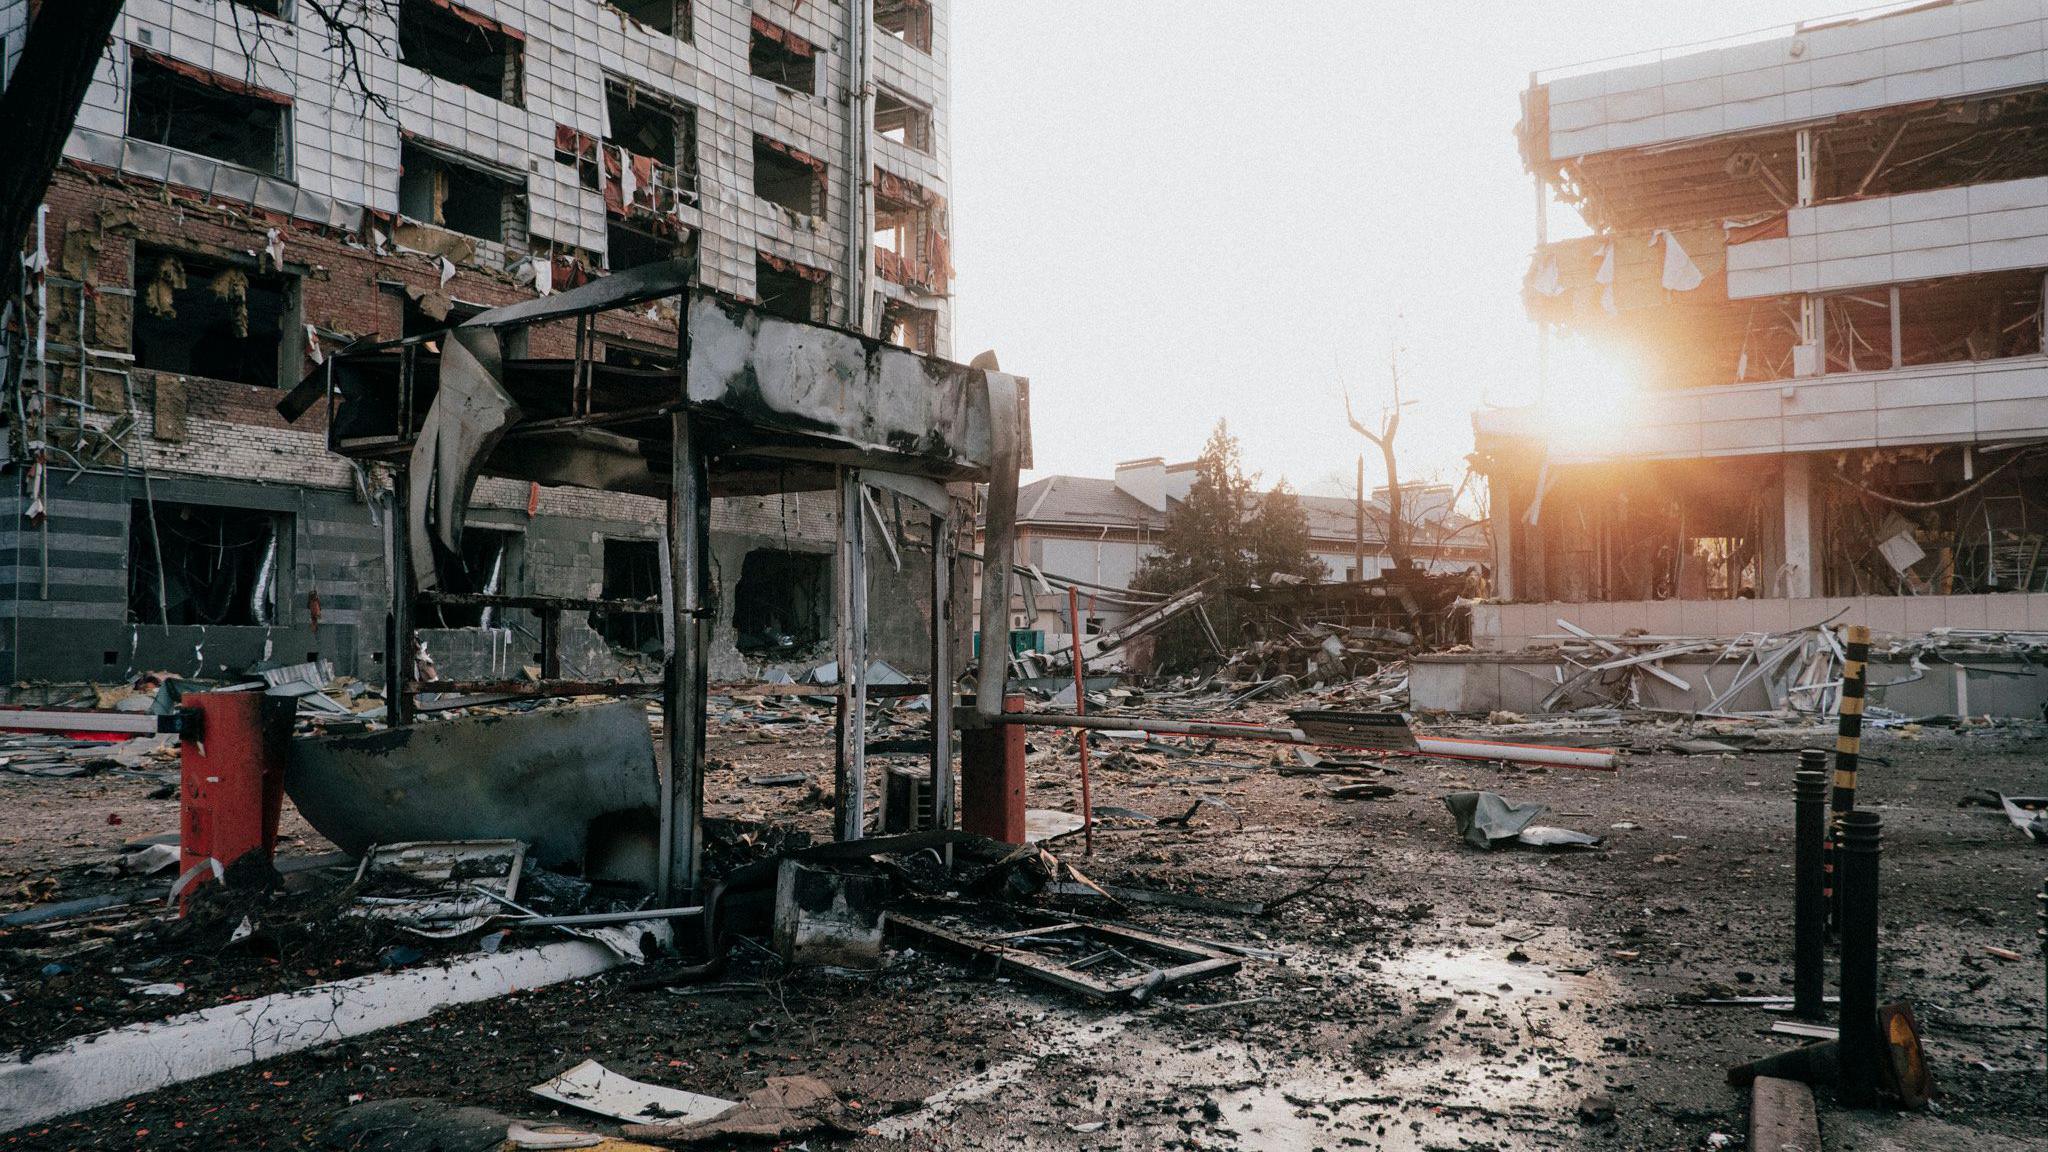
{"points": [[1170, 212]]}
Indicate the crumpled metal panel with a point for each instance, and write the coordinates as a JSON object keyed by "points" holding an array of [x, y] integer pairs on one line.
{"points": [[910, 412], [470, 414], [542, 777]]}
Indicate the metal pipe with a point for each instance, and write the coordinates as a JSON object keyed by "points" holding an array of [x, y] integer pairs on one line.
{"points": [[1809, 906], [1593, 758], [1081, 709], [1862, 1045]]}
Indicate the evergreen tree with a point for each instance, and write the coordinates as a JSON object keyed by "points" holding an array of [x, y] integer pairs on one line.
{"points": [[1279, 539]]}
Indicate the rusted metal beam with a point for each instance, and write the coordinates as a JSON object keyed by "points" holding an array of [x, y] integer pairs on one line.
{"points": [[850, 579], [687, 635]]}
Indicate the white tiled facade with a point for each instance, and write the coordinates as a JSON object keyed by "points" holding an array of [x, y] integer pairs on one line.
{"points": [[1806, 78], [344, 151], [1807, 72]]}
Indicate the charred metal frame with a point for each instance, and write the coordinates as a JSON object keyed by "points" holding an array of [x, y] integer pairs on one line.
{"points": [[755, 405]]}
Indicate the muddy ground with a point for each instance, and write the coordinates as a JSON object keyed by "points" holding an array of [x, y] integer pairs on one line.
{"points": [[1422, 994]]}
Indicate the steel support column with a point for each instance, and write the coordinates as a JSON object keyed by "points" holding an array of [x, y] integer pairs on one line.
{"points": [[850, 579], [686, 611], [398, 643], [942, 671]]}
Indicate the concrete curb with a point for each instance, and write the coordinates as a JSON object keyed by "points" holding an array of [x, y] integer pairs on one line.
{"points": [[128, 1061], [1782, 1117]]}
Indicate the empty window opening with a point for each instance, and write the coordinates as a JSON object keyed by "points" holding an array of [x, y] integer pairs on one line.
{"points": [[911, 248], [458, 197], [900, 119], [779, 55], [461, 47], [200, 317], [783, 603], [624, 355], [907, 20], [655, 164], [267, 7], [909, 326], [184, 107], [220, 565], [629, 246], [486, 568], [785, 176], [670, 16], [790, 290], [632, 571]]}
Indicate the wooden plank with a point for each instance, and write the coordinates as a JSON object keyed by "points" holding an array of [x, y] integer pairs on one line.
{"points": [[1782, 1117]]}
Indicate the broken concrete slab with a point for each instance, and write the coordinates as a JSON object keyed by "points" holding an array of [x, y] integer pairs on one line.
{"points": [[592, 1087]]}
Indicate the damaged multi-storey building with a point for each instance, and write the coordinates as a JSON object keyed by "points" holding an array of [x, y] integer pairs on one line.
{"points": [[247, 192], [1819, 256]]}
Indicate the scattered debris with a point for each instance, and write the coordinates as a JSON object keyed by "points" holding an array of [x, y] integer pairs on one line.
{"points": [[1485, 819]]}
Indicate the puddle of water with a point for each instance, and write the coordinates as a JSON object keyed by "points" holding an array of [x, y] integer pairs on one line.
{"points": [[1505, 1074]]}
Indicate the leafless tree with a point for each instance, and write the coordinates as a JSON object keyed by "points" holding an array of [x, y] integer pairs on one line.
{"points": [[1390, 426]]}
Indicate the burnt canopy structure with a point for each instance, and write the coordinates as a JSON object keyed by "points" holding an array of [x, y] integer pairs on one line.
{"points": [[758, 405]]}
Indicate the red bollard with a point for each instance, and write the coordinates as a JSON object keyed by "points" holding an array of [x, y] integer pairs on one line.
{"points": [[992, 778], [231, 793]]}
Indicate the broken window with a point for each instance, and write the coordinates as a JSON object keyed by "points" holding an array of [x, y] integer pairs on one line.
{"points": [[210, 318], [779, 55], [267, 7], [909, 326], [783, 602], [461, 47], [655, 165], [903, 120], [1932, 520], [220, 566], [625, 354], [436, 189], [629, 246], [786, 176], [184, 107], [670, 16], [486, 568], [911, 247], [632, 571], [790, 290], [907, 20]]}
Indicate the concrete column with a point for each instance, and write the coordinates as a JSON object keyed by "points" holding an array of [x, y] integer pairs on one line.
{"points": [[1798, 552], [686, 608], [851, 577]]}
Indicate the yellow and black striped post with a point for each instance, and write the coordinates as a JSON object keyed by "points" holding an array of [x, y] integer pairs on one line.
{"points": [[1848, 744]]}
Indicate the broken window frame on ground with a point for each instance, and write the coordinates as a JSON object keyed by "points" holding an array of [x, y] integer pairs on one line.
{"points": [[158, 83], [194, 287], [782, 57], [419, 160], [453, 44], [739, 417], [213, 566]]}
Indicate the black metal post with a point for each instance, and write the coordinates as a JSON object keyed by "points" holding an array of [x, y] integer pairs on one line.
{"points": [[1848, 738], [2042, 932], [398, 623], [1809, 907], [1862, 1044]]}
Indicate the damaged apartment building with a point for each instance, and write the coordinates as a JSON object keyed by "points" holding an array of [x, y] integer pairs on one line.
{"points": [[247, 192], [1819, 256]]}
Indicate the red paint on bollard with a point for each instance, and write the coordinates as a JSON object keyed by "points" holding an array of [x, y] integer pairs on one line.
{"points": [[992, 778], [231, 789]]}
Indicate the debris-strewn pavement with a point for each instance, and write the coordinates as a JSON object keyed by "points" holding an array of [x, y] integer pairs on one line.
{"points": [[1403, 990]]}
